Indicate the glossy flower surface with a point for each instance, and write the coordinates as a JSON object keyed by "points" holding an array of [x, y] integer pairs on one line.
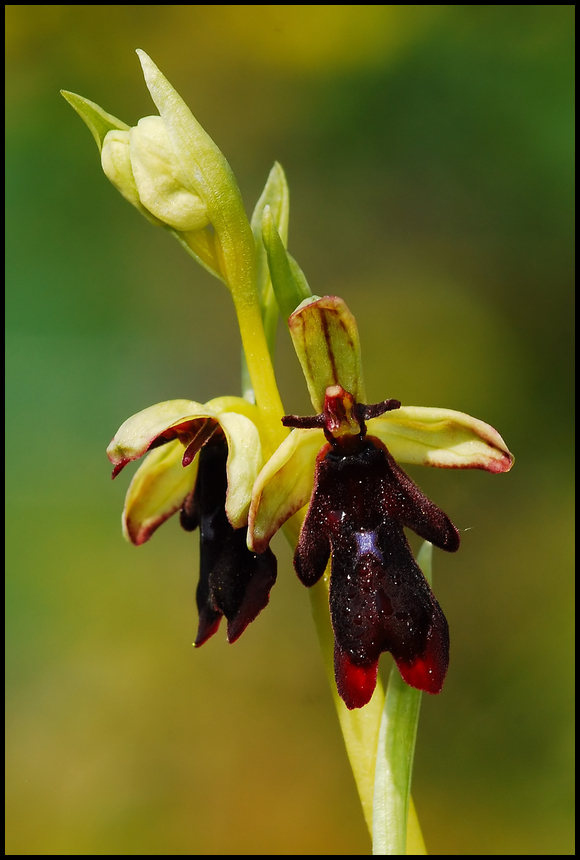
{"points": [[379, 599], [203, 460]]}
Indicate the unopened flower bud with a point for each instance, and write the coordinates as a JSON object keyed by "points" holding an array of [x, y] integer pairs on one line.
{"points": [[170, 169], [162, 184], [142, 165], [116, 164]]}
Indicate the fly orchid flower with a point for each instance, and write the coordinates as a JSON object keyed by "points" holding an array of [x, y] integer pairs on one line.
{"points": [[203, 460], [342, 462]]}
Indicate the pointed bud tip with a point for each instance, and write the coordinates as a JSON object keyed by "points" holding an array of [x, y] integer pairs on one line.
{"points": [[502, 465], [118, 468], [147, 65]]}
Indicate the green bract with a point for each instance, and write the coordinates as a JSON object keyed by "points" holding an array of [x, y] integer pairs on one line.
{"points": [[288, 281]]}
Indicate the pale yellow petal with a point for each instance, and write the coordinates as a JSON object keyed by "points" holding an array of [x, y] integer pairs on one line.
{"points": [[243, 464], [116, 164], [229, 403], [441, 437], [158, 489], [137, 434], [283, 486]]}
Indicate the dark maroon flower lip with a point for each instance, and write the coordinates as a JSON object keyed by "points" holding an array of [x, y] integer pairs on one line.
{"points": [[379, 599], [233, 581]]}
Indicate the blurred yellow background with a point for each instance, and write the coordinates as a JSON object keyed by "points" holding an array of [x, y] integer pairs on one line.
{"points": [[429, 151]]}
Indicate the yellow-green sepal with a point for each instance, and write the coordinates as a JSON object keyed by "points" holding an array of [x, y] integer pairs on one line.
{"points": [[231, 403], [243, 464], [98, 121], [283, 486], [325, 336], [158, 489], [441, 437]]}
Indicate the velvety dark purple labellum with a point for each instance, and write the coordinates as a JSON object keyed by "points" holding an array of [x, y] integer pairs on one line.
{"points": [[379, 599], [233, 581]]}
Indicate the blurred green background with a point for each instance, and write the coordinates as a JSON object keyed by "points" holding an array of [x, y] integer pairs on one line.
{"points": [[429, 152]]}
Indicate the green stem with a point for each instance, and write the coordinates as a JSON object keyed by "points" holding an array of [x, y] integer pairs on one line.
{"points": [[259, 365], [396, 749]]}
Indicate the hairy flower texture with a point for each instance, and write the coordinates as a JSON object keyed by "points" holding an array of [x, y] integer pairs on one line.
{"points": [[379, 599], [203, 460], [342, 464]]}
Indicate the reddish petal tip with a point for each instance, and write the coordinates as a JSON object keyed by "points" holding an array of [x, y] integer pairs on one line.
{"points": [[118, 468], [502, 465], [428, 670], [208, 625], [355, 684], [257, 595], [422, 675]]}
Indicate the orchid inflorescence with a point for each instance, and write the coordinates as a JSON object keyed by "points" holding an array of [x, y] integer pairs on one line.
{"points": [[239, 469]]}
